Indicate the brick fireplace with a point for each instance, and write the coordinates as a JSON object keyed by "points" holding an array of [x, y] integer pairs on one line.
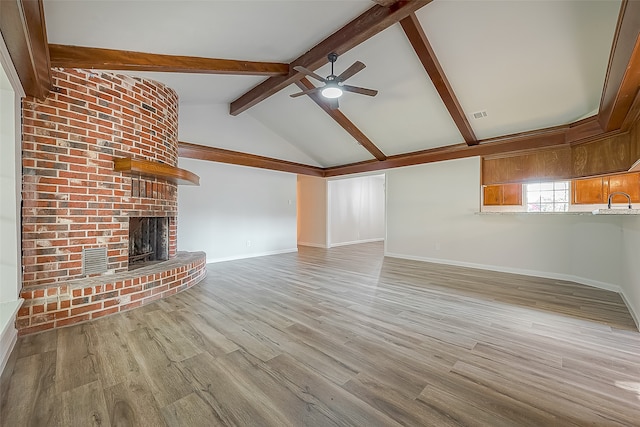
{"points": [[74, 202]]}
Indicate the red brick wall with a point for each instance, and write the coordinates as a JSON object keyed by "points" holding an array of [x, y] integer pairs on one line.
{"points": [[72, 199]]}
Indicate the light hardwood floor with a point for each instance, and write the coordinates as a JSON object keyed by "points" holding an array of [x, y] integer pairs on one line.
{"points": [[339, 337]]}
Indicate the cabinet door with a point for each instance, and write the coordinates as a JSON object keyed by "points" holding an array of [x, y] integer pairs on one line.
{"points": [[589, 191], [512, 194], [628, 183], [493, 195], [503, 195]]}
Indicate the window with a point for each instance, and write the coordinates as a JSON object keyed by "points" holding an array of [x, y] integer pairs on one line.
{"points": [[548, 196]]}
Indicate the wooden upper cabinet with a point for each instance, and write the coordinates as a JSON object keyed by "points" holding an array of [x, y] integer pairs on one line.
{"points": [[493, 195], [512, 194], [503, 195], [597, 190], [628, 183], [589, 191]]}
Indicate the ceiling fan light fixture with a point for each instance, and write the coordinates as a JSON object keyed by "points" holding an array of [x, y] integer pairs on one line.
{"points": [[332, 91]]}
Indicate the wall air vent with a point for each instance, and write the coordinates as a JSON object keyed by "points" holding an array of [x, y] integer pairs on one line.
{"points": [[94, 261], [479, 114]]}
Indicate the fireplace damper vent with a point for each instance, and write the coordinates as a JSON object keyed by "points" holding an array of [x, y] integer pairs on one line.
{"points": [[94, 260]]}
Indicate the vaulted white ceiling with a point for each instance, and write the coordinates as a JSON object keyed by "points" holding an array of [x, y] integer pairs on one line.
{"points": [[528, 64]]}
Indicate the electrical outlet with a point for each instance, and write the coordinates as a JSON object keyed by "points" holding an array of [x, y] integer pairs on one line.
{"points": [[248, 243]]}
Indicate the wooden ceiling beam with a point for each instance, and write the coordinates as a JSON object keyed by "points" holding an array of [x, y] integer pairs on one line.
{"points": [[201, 152], [342, 120], [634, 114], [584, 129], [580, 132], [552, 138], [623, 72], [427, 57], [111, 59], [384, 3], [362, 28], [25, 35]]}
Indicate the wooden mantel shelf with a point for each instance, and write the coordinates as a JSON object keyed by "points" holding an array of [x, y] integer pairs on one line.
{"points": [[155, 170]]}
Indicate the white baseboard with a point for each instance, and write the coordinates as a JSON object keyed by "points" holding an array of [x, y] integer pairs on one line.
{"points": [[252, 255], [8, 332], [521, 271], [632, 312], [355, 242], [11, 336], [313, 245]]}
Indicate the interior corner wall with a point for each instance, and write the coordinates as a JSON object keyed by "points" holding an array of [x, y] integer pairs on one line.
{"points": [[312, 211], [236, 211], [356, 210], [631, 265], [432, 216], [9, 189]]}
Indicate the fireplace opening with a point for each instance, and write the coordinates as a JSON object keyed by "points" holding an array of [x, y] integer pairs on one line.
{"points": [[148, 241]]}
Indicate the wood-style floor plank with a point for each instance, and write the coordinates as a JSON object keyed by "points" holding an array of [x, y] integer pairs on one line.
{"points": [[131, 403], [190, 411], [84, 406], [229, 394], [115, 362], [339, 337], [165, 379], [76, 363], [32, 397]]}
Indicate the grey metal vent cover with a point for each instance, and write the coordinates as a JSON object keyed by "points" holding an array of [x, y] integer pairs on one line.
{"points": [[94, 260], [479, 114]]}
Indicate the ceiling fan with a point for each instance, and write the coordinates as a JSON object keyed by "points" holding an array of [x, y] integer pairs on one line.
{"points": [[334, 85]]}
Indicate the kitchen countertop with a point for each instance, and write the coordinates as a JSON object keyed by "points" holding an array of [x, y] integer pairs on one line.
{"points": [[616, 211]]}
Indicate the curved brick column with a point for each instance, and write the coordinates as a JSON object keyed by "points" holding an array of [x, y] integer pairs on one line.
{"points": [[72, 198]]}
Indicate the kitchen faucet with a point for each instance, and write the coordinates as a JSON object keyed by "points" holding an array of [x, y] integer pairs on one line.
{"points": [[619, 193]]}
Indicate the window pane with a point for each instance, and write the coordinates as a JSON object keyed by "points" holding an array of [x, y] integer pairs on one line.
{"points": [[562, 196], [561, 185], [546, 186], [547, 196]]}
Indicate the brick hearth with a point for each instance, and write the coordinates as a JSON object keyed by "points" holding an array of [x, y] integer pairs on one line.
{"points": [[53, 306]]}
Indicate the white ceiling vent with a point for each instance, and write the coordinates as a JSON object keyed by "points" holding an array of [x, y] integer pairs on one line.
{"points": [[479, 114], [94, 260]]}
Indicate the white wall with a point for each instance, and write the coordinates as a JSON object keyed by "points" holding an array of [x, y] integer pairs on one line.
{"points": [[631, 264], [10, 183], [431, 215], [237, 211], [211, 124], [312, 211], [356, 210]]}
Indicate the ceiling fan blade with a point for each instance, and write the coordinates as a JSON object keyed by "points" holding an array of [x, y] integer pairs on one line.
{"points": [[355, 68], [306, 92], [360, 90], [309, 73]]}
